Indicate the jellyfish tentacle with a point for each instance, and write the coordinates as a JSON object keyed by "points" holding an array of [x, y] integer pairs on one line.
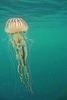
{"points": [[20, 66], [27, 79], [21, 75], [17, 46], [25, 68], [21, 55]]}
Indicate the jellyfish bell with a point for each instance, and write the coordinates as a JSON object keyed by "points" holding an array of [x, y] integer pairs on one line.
{"points": [[16, 28], [16, 25]]}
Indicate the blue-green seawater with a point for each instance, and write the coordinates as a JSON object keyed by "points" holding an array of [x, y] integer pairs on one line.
{"points": [[47, 55]]}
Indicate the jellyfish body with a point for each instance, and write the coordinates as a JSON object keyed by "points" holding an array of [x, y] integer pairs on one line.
{"points": [[17, 27]]}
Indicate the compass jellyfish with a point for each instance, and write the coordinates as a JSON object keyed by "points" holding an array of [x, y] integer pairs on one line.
{"points": [[16, 29]]}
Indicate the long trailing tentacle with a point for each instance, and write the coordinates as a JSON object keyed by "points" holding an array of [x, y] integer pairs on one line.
{"points": [[25, 68], [21, 55], [17, 47], [21, 75]]}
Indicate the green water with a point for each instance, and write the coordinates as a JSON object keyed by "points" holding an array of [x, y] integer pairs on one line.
{"points": [[47, 56]]}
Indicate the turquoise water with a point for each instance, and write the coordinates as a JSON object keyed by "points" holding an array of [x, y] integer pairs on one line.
{"points": [[47, 57]]}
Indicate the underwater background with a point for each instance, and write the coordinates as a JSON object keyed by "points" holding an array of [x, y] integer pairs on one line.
{"points": [[47, 56]]}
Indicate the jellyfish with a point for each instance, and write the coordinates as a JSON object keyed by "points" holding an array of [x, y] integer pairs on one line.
{"points": [[16, 28]]}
